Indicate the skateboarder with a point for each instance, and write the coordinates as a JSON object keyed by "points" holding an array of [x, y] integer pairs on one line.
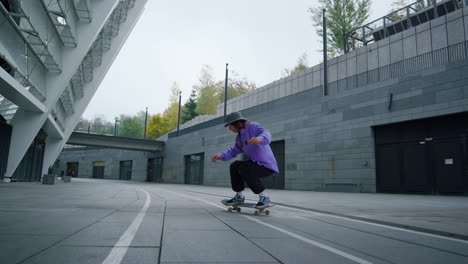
{"points": [[254, 141]]}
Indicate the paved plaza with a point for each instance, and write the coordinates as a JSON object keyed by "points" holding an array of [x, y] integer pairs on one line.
{"points": [[103, 221]]}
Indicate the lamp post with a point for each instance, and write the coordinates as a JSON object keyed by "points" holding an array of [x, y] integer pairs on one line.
{"points": [[146, 121], [116, 132], [325, 55], [225, 92], [178, 116]]}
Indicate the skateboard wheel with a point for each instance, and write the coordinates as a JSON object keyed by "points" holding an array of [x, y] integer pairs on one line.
{"points": [[267, 212], [238, 209], [257, 212]]}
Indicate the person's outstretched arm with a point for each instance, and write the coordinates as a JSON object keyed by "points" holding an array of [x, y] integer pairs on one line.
{"points": [[230, 152]]}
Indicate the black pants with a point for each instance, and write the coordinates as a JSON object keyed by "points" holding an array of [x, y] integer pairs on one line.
{"points": [[251, 172]]}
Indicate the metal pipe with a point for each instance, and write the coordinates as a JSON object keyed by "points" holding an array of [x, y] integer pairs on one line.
{"points": [[434, 3], [325, 55], [225, 92]]}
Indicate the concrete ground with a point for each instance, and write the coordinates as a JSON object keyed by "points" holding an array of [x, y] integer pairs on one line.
{"points": [[102, 221]]}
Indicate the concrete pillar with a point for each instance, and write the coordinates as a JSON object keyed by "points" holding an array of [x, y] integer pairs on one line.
{"points": [[54, 146], [27, 124]]}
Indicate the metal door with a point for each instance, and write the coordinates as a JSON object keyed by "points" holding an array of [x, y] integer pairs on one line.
{"points": [[98, 169], [154, 172], [415, 169], [448, 166], [126, 170], [194, 168], [276, 181], [388, 168]]}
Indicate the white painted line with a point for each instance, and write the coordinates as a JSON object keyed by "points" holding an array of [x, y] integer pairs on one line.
{"points": [[309, 241], [376, 224], [312, 242], [120, 248]]}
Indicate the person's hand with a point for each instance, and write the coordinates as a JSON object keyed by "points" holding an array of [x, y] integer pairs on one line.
{"points": [[254, 140], [215, 158]]}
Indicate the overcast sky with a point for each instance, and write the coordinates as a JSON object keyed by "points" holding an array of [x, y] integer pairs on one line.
{"points": [[174, 39]]}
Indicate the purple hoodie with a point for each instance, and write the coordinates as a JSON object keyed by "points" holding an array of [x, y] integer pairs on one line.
{"points": [[261, 153]]}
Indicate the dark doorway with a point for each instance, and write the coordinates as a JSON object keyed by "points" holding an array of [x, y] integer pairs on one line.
{"points": [[72, 169], [5, 138], [154, 172], [423, 156], [98, 169], [126, 170], [30, 167], [194, 168], [276, 181]]}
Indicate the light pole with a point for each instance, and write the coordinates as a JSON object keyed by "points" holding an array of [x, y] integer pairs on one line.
{"points": [[225, 92], [325, 55], [146, 121], [178, 116], [116, 132]]}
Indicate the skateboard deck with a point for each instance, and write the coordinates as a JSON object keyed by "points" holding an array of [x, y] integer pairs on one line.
{"points": [[258, 211]]}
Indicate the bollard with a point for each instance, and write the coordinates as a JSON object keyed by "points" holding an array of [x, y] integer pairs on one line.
{"points": [[66, 178], [49, 179]]}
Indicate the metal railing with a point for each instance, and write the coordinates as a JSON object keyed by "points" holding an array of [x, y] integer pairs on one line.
{"points": [[40, 44], [399, 20], [58, 12], [82, 10], [451, 54]]}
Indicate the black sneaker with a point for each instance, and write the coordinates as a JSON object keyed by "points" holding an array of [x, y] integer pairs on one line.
{"points": [[264, 202], [235, 200]]}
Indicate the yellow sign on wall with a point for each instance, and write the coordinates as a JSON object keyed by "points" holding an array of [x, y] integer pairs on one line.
{"points": [[99, 164]]}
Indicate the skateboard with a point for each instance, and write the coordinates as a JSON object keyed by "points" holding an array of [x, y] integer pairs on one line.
{"points": [[258, 211]]}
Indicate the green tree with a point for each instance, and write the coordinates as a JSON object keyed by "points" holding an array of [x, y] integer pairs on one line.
{"points": [[342, 16], [130, 126], [101, 126], [171, 113], [189, 112], [207, 91], [82, 124], [302, 64], [236, 86], [157, 126]]}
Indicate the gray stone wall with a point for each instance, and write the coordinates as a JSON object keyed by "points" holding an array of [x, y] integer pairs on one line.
{"points": [[329, 139], [112, 157]]}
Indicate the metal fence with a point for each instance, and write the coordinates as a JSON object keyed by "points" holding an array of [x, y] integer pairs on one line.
{"points": [[444, 56], [399, 20]]}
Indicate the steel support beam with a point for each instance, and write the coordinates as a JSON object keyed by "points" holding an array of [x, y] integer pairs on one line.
{"points": [[17, 94]]}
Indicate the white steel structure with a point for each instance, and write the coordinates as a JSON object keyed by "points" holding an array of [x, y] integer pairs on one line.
{"points": [[54, 55]]}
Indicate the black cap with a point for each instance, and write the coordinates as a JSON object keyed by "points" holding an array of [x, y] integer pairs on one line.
{"points": [[233, 117]]}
